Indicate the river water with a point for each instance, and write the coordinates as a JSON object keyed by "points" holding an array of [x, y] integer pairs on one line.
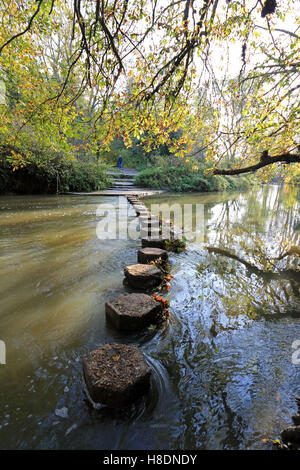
{"points": [[224, 373]]}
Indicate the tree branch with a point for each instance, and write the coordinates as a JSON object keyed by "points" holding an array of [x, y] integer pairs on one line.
{"points": [[290, 33], [264, 161], [27, 28]]}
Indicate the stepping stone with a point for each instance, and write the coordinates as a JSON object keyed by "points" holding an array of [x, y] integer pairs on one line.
{"points": [[291, 434], [154, 233], [116, 374], [144, 220], [146, 255], [140, 210], [144, 212], [145, 224], [132, 311], [148, 225], [296, 420], [152, 220], [142, 276], [151, 234], [155, 242]]}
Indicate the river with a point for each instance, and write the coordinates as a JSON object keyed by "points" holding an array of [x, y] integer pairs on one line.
{"points": [[223, 370]]}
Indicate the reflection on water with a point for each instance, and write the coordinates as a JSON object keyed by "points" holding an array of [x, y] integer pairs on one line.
{"points": [[223, 374]]}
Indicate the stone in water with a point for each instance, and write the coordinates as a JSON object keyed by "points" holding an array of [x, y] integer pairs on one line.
{"points": [[132, 311], [116, 374]]}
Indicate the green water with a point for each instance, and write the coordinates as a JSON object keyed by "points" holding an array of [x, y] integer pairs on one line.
{"points": [[223, 376]]}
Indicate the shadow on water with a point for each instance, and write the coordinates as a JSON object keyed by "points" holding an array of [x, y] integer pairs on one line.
{"points": [[223, 376]]}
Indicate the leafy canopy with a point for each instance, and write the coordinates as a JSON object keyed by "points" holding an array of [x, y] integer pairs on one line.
{"points": [[224, 73]]}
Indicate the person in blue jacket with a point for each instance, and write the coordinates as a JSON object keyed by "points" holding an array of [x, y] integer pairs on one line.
{"points": [[120, 162]]}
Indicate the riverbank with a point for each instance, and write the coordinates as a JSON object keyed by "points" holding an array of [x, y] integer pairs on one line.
{"points": [[56, 176], [68, 176]]}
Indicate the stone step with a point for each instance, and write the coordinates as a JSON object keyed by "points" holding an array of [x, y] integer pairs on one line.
{"points": [[291, 434], [116, 374], [148, 221], [129, 189], [146, 255], [152, 233], [142, 276], [123, 183], [155, 242], [140, 210], [122, 174], [123, 186], [116, 177], [296, 420], [132, 311]]}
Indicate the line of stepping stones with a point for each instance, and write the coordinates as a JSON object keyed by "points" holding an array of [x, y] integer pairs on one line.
{"points": [[117, 374]]}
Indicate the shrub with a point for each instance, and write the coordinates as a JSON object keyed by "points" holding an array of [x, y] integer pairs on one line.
{"points": [[182, 179], [60, 174]]}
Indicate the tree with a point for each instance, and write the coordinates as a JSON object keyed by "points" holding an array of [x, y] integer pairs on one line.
{"points": [[167, 52]]}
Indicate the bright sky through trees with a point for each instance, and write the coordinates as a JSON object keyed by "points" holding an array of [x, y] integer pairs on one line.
{"points": [[215, 70]]}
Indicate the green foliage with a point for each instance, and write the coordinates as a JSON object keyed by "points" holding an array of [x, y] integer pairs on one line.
{"points": [[160, 77], [182, 179], [86, 176], [136, 156], [60, 175], [177, 245]]}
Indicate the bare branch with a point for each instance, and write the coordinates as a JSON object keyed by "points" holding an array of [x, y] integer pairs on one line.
{"points": [[280, 30]]}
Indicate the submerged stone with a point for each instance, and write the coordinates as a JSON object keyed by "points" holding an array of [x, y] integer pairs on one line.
{"points": [[146, 255], [132, 311], [142, 276], [116, 374]]}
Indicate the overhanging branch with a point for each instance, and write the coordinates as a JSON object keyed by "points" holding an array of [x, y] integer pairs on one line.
{"points": [[15, 36], [265, 160]]}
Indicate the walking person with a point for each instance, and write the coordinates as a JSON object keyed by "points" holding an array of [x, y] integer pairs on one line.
{"points": [[120, 162]]}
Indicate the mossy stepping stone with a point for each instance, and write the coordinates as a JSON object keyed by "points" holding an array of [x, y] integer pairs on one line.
{"points": [[155, 242], [146, 255], [132, 311], [142, 276], [116, 374]]}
